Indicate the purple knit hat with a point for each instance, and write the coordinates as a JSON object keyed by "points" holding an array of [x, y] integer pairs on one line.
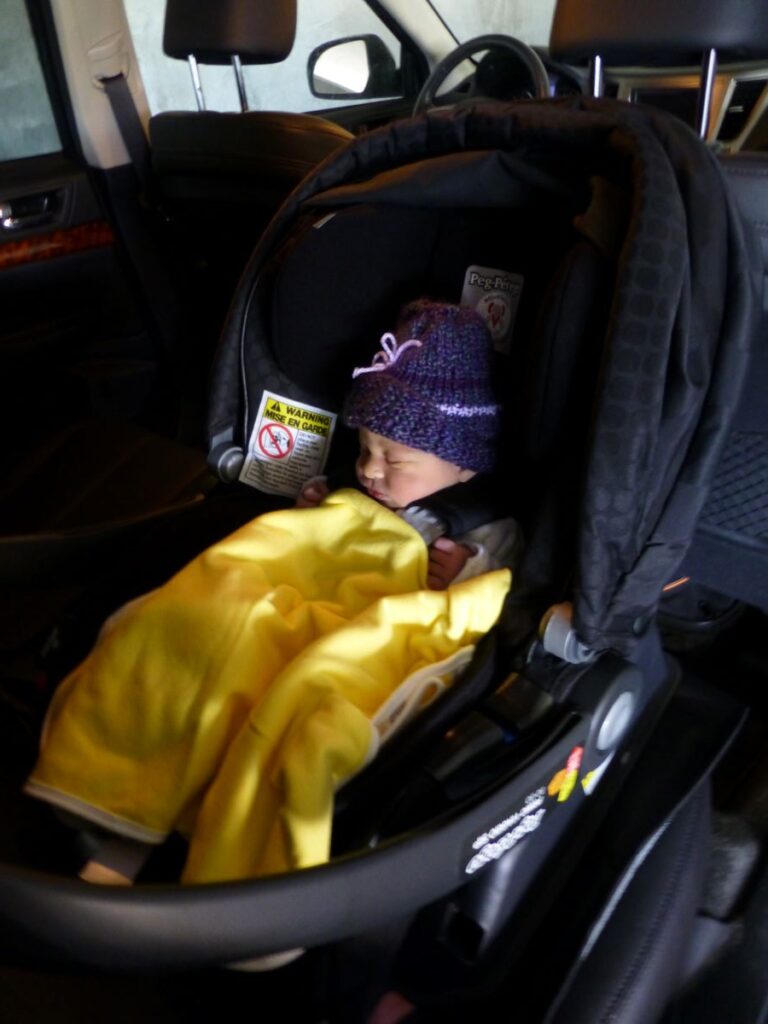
{"points": [[430, 386]]}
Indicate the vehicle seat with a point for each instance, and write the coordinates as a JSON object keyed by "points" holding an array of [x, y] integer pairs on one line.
{"points": [[425, 246], [76, 502], [726, 568], [729, 553], [221, 176], [635, 959], [74, 507]]}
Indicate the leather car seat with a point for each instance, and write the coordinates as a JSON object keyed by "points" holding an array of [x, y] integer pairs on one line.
{"points": [[221, 176]]}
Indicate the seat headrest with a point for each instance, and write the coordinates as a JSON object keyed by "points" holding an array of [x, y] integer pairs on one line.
{"points": [[258, 31], [658, 32]]}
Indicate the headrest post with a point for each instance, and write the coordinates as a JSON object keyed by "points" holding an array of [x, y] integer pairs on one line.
{"points": [[596, 83], [706, 85], [237, 65], [196, 83]]}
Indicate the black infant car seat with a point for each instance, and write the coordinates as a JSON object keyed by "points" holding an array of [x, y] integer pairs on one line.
{"points": [[622, 357]]}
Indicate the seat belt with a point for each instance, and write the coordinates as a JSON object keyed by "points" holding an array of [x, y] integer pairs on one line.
{"points": [[160, 291], [141, 229], [131, 129]]}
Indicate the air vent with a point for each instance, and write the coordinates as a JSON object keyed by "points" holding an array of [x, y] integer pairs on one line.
{"points": [[743, 99]]}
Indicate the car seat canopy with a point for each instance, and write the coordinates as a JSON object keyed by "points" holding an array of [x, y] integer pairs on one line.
{"points": [[671, 356]]}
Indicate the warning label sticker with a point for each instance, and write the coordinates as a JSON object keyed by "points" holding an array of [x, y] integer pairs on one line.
{"points": [[289, 444], [495, 295]]}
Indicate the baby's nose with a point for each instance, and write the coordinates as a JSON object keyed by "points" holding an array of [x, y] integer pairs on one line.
{"points": [[372, 468]]}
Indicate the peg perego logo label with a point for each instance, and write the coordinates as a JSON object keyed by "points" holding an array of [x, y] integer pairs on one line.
{"points": [[495, 295], [507, 833], [498, 283]]}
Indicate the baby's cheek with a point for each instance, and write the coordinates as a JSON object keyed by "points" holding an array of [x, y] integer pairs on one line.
{"points": [[406, 496]]}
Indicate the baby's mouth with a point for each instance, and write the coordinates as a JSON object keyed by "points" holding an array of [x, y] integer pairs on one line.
{"points": [[382, 499]]}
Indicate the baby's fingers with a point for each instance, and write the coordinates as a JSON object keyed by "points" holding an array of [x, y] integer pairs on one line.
{"points": [[439, 572], [436, 581], [312, 494], [446, 560], [439, 558]]}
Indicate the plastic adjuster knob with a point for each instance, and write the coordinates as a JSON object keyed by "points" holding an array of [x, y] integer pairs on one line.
{"points": [[558, 636], [226, 461]]}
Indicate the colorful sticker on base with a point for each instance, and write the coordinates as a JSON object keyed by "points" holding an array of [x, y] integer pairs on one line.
{"points": [[563, 783], [289, 444], [507, 833], [591, 779], [495, 295]]}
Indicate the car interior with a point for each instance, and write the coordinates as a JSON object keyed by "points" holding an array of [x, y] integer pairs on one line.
{"points": [[220, 176], [255, 254]]}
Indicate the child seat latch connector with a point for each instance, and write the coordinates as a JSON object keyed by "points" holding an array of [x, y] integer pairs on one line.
{"points": [[558, 636]]}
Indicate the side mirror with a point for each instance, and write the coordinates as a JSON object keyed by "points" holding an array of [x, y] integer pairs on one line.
{"points": [[358, 67]]}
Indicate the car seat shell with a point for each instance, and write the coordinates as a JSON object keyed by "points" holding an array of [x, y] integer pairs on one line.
{"points": [[151, 927]]}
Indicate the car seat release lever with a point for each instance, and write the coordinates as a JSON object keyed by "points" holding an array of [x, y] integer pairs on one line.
{"points": [[558, 636], [518, 702], [499, 736], [497, 724]]}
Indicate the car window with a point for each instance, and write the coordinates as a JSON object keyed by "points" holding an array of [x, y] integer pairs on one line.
{"points": [[27, 126], [528, 20], [281, 86]]}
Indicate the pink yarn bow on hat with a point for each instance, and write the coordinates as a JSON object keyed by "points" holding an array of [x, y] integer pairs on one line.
{"points": [[388, 355]]}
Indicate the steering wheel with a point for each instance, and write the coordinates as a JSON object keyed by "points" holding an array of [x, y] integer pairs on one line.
{"points": [[530, 60]]}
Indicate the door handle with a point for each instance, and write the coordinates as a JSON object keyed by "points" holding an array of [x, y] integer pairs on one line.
{"points": [[32, 211]]}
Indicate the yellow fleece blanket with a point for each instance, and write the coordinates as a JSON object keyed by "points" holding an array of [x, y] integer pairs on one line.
{"points": [[231, 702]]}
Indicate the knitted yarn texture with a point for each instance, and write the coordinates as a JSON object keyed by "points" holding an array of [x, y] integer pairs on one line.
{"points": [[429, 387]]}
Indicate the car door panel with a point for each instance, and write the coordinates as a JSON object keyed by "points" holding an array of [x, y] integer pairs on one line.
{"points": [[68, 310]]}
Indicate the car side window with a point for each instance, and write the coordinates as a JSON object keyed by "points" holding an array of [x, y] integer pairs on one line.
{"points": [[284, 86], [27, 124]]}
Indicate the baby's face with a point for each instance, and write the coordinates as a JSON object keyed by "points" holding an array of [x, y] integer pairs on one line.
{"points": [[396, 475]]}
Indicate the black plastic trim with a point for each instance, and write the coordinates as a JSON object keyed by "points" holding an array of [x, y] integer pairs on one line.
{"points": [[420, 66], [44, 32], [152, 927]]}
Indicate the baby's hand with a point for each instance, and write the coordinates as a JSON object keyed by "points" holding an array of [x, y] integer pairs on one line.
{"points": [[312, 493], [446, 560]]}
